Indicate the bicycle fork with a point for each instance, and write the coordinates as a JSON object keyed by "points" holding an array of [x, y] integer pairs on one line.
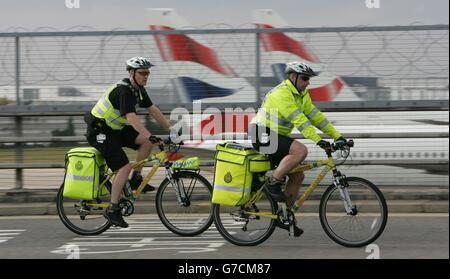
{"points": [[179, 189], [340, 183]]}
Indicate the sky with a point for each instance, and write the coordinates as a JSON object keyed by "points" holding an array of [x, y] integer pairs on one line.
{"points": [[32, 15]]}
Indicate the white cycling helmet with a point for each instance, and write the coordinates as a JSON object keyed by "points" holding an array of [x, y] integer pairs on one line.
{"points": [[300, 68], [138, 63]]}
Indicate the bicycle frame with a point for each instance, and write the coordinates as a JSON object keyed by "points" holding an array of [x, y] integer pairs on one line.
{"points": [[328, 164], [159, 158]]}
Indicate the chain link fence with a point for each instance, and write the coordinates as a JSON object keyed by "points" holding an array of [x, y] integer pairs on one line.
{"points": [[377, 63]]}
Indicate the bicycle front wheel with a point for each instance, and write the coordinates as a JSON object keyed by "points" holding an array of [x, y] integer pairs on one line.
{"points": [[239, 226], [367, 219], [184, 204], [83, 217]]}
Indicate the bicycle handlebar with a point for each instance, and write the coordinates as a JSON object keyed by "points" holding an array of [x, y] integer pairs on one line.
{"points": [[158, 140], [346, 146], [172, 146], [168, 142]]}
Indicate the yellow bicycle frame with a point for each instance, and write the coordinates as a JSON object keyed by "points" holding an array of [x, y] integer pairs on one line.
{"points": [[160, 157], [329, 165]]}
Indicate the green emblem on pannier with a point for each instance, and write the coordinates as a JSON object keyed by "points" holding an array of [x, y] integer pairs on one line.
{"points": [[79, 165], [228, 178]]}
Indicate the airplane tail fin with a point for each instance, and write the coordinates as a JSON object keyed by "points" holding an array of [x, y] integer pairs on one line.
{"points": [[282, 48]]}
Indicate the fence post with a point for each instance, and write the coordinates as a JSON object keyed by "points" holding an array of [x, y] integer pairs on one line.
{"points": [[258, 69], [18, 119], [17, 45]]}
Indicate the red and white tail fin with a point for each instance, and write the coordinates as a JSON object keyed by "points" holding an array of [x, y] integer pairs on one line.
{"points": [[279, 41], [197, 70], [200, 74], [180, 47], [283, 48]]}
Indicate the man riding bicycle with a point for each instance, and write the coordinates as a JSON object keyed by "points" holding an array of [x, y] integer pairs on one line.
{"points": [[113, 124], [285, 107]]}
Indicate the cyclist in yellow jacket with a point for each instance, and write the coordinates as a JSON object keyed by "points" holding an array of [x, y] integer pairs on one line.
{"points": [[286, 107], [113, 124]]}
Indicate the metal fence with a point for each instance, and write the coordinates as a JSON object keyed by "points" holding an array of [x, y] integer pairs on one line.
{"points": [[394, 98], [377, 63]]}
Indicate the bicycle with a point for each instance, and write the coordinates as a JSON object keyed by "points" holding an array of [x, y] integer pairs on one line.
{"points": [[343, 209], [175, 199]]}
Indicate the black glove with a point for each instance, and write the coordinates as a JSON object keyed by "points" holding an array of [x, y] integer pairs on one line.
{"points": [[324, 144], [341, 141], [154, 139]]}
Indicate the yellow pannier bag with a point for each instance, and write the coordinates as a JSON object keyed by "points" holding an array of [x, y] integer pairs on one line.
{"points": [[232, 175], [260, 163], [84, 166]]}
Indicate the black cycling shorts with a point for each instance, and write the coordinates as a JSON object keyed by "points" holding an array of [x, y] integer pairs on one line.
{"points": [[277, 151], [111, 146]]}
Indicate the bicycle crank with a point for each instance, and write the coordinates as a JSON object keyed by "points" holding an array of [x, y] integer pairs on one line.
{"points": [[127, 207], [287, 221]]}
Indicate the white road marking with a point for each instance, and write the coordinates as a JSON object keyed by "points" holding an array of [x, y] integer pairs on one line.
{"points": [[6, 235], [298, 214], [157, 237]]}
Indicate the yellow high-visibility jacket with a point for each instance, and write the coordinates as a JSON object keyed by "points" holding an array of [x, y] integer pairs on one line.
{"points": [[104, 109], [285, 108]]}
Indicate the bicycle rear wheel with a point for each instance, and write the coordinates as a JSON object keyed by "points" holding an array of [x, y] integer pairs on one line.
{"points": [[192, 214], [242, 228], [364, 224], [83, 217]]}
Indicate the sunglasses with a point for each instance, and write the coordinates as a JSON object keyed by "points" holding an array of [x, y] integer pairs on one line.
{"points": [[143, 73], [304, 78]]}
